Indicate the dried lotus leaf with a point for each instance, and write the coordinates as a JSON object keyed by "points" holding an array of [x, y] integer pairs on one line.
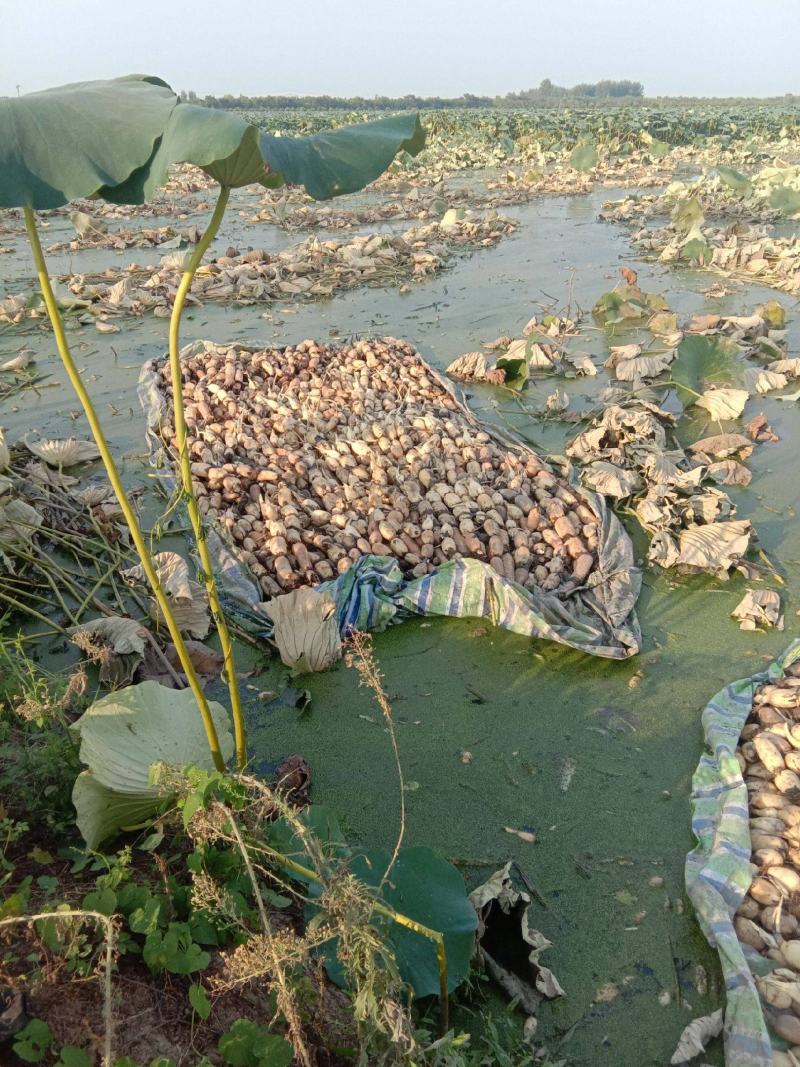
{"points": [[714, 548], [19, 521], [191, 613], [471, 367], [306, 629], [172, 571], [696, 1036], [723, 403], [5, 456], [115, 643], [63, 453]]}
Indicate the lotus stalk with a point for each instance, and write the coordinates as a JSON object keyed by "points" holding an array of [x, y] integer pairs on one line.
{"points": [[128, 512], [185, 467]]}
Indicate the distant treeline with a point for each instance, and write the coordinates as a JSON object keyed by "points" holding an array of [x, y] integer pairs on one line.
{"points": [[546, 93]]}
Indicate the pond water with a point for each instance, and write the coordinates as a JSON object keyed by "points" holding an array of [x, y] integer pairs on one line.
{"points": [[524, 710]]}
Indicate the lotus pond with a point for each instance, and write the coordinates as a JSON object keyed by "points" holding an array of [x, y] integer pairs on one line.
{"points": [[576, 768]]}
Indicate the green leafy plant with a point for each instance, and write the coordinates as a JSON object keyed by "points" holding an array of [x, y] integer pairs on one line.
{"points": [[116, 139], [32, 1043], [249, 1045]]}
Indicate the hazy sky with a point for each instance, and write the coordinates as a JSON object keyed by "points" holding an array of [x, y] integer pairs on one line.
{"points": [[430, 47]]}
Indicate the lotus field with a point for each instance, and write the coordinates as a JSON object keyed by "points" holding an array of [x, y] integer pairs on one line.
{"points": [[383, 497]]}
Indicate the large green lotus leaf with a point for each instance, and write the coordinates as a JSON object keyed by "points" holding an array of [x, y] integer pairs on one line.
{"points": [[236, 153], [126, 732], [345, 160], [74, 140], [425, 887], [707, 358], [102, 813]]}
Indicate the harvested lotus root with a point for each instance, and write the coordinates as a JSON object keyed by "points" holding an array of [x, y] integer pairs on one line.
{"points": [[312, 456], [768, 919]]}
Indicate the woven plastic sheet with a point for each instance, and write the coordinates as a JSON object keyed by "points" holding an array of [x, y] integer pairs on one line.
{"points": [[598, 618], [719, 871]]}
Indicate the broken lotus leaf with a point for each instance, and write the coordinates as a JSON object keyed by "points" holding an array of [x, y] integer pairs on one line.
{"points": [[759, 608], [306, 629], [724, 402], [508, 946], [63, 453], [121, 737], [696, 1036], [115, 642]]}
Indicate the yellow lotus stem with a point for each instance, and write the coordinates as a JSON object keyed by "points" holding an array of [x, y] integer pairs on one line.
{"points": [[185, 467], [122, 497]]}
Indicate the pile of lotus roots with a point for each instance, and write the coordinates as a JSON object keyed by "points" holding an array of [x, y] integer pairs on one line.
{"points": [[768, 919], [312, 456]]}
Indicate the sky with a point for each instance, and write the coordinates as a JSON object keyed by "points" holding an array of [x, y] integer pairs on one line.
{"points": [[394, 47]]}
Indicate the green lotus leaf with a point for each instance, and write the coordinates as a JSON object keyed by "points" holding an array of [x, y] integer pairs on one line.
{"points": [[784, 198], [234, 152], [122, 736], [707, 359], [583, 156], [103, 813], [735, 180], [427, 888], [74, 140]]}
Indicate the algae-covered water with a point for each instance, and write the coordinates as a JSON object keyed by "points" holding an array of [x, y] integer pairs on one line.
{"points": [[594, 757]]}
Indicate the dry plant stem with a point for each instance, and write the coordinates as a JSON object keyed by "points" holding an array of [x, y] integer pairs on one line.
{"points": [[371, 677], [108, 924], [285, 1001], [186, 475], [113, 476]]}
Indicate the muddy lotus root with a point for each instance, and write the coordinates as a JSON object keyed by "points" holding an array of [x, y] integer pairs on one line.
{"points": [[768, 918], [312, 456]]}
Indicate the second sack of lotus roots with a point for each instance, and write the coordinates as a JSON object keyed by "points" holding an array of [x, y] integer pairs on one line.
{"points": [[768, 919], [312, 456]]}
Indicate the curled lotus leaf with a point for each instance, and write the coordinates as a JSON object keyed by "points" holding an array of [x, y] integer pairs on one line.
{"points": [[306, 629], [67, 452], [123, 737], [234, 152], [74, 140]]}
